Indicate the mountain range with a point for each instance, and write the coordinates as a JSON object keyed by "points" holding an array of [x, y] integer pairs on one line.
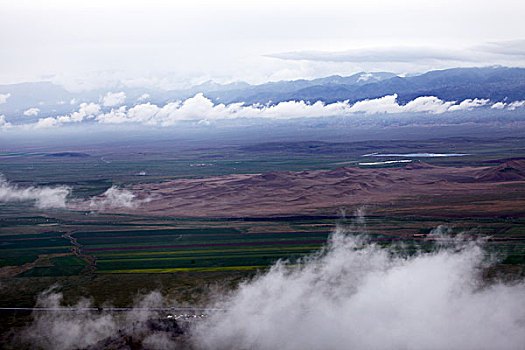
{"points": [[456, 84]]}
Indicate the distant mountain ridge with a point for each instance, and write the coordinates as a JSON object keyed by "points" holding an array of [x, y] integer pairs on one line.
{"points": [[457, 84]]}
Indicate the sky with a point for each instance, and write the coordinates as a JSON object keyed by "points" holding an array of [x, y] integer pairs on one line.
{"points": [[175, 44]]}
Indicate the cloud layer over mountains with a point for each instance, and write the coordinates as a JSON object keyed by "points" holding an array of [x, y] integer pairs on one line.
{"points": [[436, 92], [201, 108]]}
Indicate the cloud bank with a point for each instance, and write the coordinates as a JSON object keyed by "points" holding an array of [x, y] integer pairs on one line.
{"points": [[201, 109], [354, 295], [44, 197]]}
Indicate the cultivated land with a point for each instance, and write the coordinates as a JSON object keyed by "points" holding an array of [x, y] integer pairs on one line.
{"points": [[219, 215]]}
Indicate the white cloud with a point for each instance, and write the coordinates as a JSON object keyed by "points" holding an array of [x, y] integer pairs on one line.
{"points": [[143, 97], [4, 97], [386, 104], [516, 104], [44, 197], [67, 330], [3, 123], [85, 111], [113, 99], [469, 104], [44, 123], [115, 116], [113, 198], [199, 108], [365, 77], [356, 295], [31, 112], [498, 105]]}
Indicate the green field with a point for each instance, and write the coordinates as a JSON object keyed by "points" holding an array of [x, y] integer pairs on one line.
{"points": [[138, 245]]}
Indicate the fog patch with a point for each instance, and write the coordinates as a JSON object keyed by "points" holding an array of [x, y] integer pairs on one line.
{"points": [[85, 328], [47, 197], [44, 197], [66, 330], [357, 295], [114, 198]]}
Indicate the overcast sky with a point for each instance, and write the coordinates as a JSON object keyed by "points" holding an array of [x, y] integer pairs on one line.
{"points": [[171, 44]]}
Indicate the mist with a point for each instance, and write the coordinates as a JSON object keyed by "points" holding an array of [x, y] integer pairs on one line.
{"points": [[44, 197], [113, 198], [355, 295]]}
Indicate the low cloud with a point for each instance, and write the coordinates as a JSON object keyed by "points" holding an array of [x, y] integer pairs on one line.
{"points": [[82, 328], [203, 111], [469, 104], [113, 99], [31, 112], [43, 196], [199, 107], [115, 198], [515, 105], [389, 104], [356, 295], [85, 111], [4, 97], [44, 123], [509, 106], [498, 105]]}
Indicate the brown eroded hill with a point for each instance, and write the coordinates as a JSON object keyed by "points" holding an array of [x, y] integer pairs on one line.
{"points": [[513, 170], [323, 191]]}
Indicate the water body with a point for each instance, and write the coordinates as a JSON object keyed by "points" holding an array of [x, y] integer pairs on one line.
{"points": [[388, 162], [419, 155]]}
